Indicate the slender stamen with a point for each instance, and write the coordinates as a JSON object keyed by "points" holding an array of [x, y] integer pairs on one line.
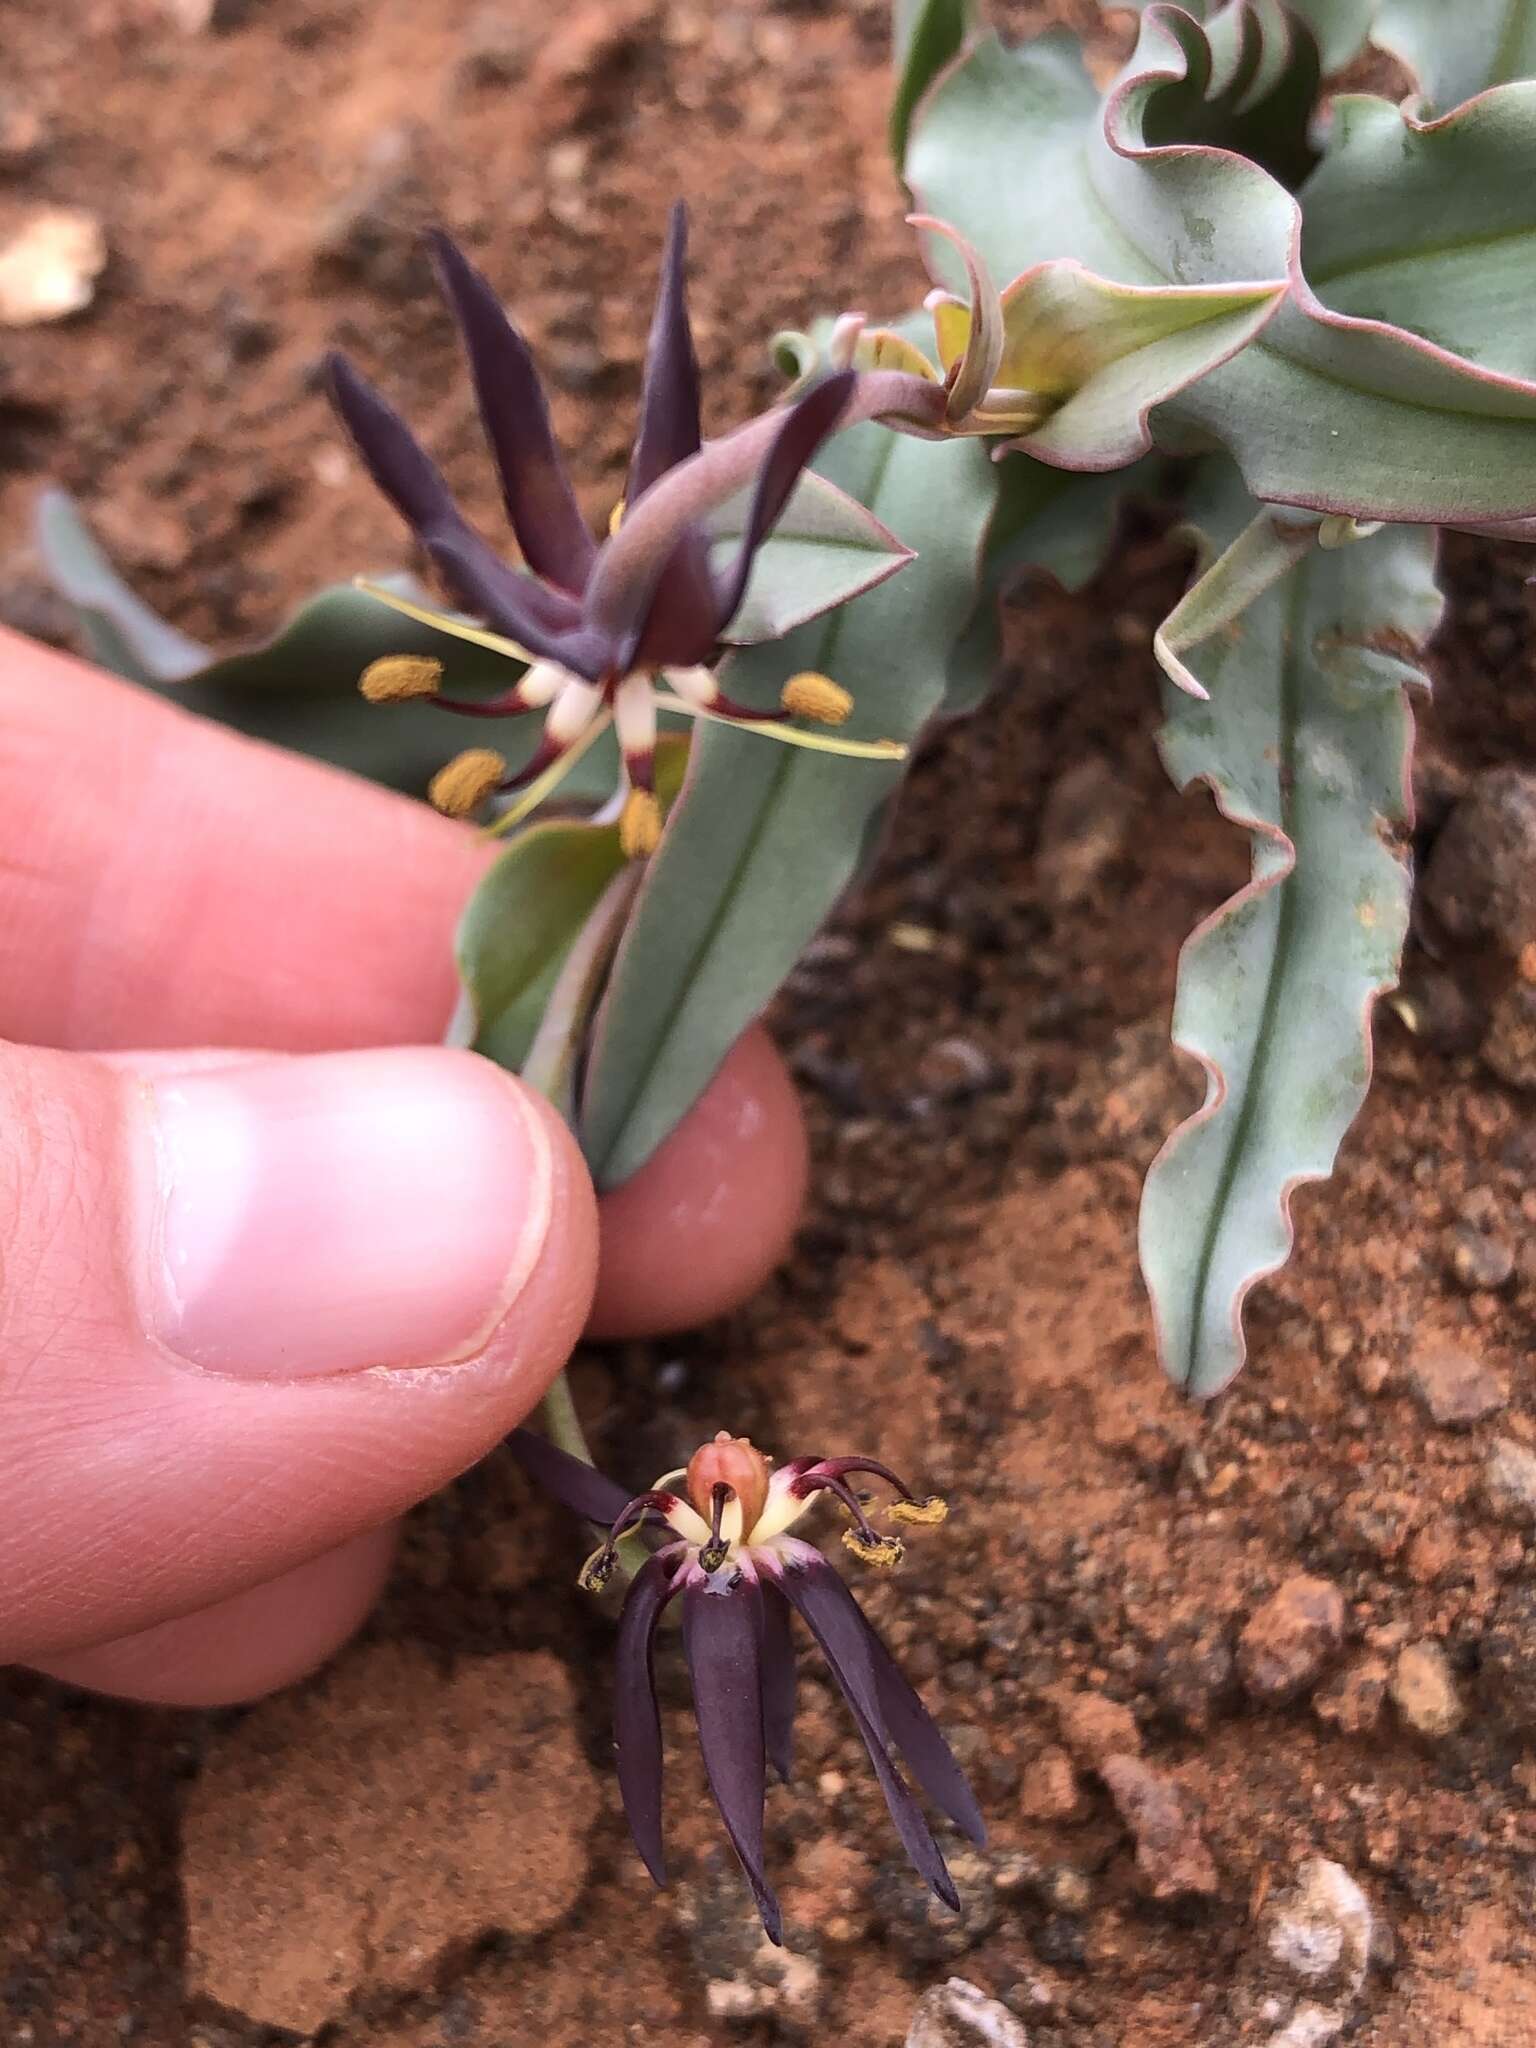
{"points": [[717, 1550], [790, 735]]}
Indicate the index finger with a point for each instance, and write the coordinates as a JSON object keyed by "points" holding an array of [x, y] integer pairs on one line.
{"points": [[166, 882]]}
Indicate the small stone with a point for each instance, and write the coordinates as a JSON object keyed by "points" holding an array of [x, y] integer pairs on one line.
{"points": [[1509, 1047], [959, 2014], [1424, 1691], [497, 46], [1352, 1700], [1480, 880], [1289, 1641], [1509, 1483], [49, 266], [371, 236], [920, 1927], [1051, 1791], [1093, 1727], [1478, 1260], [1440, 1011], [1372, 1373], [1300, 1984], [1171, 1856], [955, 1069], [1454, 1389], [1083, 830], [745, 1976]]}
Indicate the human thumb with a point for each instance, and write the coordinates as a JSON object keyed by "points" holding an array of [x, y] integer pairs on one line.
{"points": [[250, 1308]]}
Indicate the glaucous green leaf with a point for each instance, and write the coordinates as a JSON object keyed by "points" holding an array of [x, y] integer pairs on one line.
{"points": [[766, 837], [1304, 742], [1339, 28], [824, 550], [1322, 408], [298, 689], [530, 908], [1431, 229], [520, 924], [1456, 48], [121, 632], [1010, 148]]}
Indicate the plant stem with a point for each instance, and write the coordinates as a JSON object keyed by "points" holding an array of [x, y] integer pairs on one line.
{"points": [[562, 1425]]}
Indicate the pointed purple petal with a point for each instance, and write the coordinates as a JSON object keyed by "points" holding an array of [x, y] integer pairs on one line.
{"points": [[777, 1652], [720, 1637], [669, 391], [807, 425], [544, 620], [680, 625], [540, 502], [819, 1595], [913, 1730], [636, 1722], [566, 1479]]}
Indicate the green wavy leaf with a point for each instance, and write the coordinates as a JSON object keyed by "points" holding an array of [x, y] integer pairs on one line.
{"points": [[925, 36], [1304, 741], [1457, 50]]}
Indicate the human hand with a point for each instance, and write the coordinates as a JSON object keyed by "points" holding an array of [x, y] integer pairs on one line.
{"points": [[266, 1286]]}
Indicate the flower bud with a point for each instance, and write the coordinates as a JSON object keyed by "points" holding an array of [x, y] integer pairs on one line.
{"points": [[729, 1461]]}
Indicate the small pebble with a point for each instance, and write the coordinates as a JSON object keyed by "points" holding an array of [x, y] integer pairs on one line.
{"points": [[1478, 1260], [1509, 1483], [1454, 1389], [1172, 1859], [1093, 1727], [1352, 1700], [959, 2014], [1289, 1642], [1509, 1048], [1051, 1791], [1424, 1691]]}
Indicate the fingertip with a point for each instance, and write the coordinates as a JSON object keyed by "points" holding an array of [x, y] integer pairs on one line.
{"points": [[704, 1222], [251, 1644]]}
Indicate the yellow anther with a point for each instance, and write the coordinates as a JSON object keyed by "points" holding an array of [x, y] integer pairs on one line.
{"points": [[883, 1552], [469, 778], [616, 517], [921, 1514], [809, 695], [639, 825], [394, 678], [598, 1569]]}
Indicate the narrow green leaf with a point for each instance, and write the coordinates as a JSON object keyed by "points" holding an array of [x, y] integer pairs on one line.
{"points": [[825, 549], [766, 837], [122, 633], [1304, 742], [925, 36], [1456, 50], [520, 924], [1267, 548]]}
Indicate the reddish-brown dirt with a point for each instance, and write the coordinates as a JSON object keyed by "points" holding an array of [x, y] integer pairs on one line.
{"points": [[982, 1041]]}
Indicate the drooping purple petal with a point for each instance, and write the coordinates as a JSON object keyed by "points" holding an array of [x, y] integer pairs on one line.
{"points": [[566, 1479], [814, 1590], [540, 502], [680, 626], [720, 1638], [669, 392], [777, 1654], [542, 619], [915, 1733], [636, 1721], [807, 425]]}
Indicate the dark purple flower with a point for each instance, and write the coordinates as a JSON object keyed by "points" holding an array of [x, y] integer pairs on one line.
{"points": [[596, 622], [726, 1548]]}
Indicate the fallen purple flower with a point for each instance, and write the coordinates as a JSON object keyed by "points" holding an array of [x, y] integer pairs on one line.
{"points": [[726, 1547]]}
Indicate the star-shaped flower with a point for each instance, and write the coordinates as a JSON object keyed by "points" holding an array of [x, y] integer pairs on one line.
{"points": [[600, 624]]}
